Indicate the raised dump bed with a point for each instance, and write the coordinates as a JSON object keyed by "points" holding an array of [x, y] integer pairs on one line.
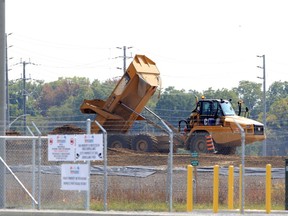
{"points": [[118, 113]]}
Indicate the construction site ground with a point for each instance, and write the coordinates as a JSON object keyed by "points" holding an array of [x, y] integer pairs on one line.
{"points": [[125, 157]]}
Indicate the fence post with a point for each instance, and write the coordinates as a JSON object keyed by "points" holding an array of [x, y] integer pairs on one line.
{"points": [[216, 189], [105, 163], [286, 184], [189, 188], [240, 185], [2, 105], [230, 187], [33, 165], [2, 173], [88, 131], [242, 169], [268, 188], [170, 158], [39, 164]]}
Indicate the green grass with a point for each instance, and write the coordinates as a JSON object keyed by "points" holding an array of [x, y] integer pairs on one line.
{"points": [[164, 207], [131, 206], [151, 198]]}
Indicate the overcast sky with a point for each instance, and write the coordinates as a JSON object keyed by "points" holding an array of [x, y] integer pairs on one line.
{"points": [[195, 44]]}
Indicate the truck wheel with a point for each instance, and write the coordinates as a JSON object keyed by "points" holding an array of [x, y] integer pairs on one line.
{"points": [[227, 150], [144, 143], [118, 141], [198, 143]]}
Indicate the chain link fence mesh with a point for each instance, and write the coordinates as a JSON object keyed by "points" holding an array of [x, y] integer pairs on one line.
{"points": [[28, 159]]}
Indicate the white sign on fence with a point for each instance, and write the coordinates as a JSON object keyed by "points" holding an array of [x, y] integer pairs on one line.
{"points": [[61, 147], [89, 147], [74, 177]]}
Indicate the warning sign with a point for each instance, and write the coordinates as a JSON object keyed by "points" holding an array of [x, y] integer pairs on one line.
{"points": [[74, 177], [61, 147], [89, 147]]}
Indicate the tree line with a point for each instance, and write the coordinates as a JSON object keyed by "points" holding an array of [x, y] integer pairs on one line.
{"points": [[60, 101]]}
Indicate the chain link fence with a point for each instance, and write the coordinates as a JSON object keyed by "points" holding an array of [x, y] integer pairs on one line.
{"points": [[32, 172], [32, 181]]}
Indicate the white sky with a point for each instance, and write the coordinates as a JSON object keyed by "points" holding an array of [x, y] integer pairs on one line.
{"points": [[195, 44]]}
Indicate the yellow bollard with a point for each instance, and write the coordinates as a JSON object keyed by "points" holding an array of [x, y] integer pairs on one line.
{"points": [[216, 189], [230, 187], [189, 188], [240, 186], [268, 188]]}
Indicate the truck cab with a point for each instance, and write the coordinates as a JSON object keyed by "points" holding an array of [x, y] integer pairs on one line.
{"points": [[217, 117], [211, 112]]}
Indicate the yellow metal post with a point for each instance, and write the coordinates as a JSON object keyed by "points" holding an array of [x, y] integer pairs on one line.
{"points": [[268, 188], [189, 188], [230, 187], [216, 189]]}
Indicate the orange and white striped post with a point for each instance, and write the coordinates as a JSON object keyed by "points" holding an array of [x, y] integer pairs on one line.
{"points": [[209, 143]]}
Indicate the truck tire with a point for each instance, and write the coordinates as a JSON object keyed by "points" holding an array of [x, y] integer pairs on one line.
{"points": [[144, 143], [227, 150], [118, 141], [198, 143]]}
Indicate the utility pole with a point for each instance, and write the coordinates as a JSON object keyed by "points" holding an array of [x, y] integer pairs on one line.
{"points": [[124, 56], [24, 96], [2, 105], [7, 84], [24, 92], [264, 101]]}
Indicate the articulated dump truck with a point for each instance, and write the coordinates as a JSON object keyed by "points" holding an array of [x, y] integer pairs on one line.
{"points": [[213, 117]]}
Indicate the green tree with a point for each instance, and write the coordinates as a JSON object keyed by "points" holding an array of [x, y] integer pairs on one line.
{"points": [[222, 94], [277, 127], [63, 98], [275, 92], [175, 105], [250, 93], [103, 90], [16, 100]]}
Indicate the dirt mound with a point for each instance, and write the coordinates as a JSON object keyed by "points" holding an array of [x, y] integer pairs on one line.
{"points": [[67, 129], [12, 133]]}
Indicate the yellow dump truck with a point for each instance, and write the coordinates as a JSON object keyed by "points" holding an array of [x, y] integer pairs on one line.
{"points": [[216, 117], [128, 99]]}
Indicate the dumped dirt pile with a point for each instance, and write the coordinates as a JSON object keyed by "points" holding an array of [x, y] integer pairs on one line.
{"points": [[67, 129], [12, 133]]}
